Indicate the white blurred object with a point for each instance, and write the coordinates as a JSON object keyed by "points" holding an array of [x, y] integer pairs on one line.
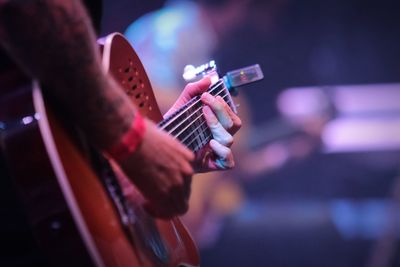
{"points": [[359, 117], [367, 99], [209, 69], [189, 73], [302, 102], [362, 134]]}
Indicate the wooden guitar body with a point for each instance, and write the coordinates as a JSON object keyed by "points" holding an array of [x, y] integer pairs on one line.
{"points": [[80, 214]]}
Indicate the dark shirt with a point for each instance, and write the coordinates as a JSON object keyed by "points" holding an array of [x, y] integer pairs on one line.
{"points": [[18, 245]]}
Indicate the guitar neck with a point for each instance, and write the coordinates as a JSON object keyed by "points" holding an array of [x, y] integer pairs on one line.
{"points": [[188, 124]]}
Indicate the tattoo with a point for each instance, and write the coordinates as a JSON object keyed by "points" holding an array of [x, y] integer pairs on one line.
{"points": [[54, 42]]}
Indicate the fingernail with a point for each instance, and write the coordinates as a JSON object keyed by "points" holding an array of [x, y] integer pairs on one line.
{"points": [[213, 143], [207, 79], [207, 97]]}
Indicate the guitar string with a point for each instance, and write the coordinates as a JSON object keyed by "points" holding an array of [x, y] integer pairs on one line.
{"points": [[202, 141], [176, 135], [192, 114], [200, 116], [191, 123], [189, 107], [203, 131], [193, 131]]}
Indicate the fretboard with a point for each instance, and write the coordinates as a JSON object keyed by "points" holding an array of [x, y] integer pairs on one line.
{"points": [[188, 124]]}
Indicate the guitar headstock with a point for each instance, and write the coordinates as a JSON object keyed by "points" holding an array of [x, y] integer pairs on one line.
{"points": [[232, 79]]}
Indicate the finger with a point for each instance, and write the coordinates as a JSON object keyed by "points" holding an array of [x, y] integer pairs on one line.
{"points": [[187, 186], [180, 199], [237, 122], [224, 155], [187, 169], [219, 109], [188, 158], [191, 90], [218, 131], [158, 213], [186, 152], [197, 88]]}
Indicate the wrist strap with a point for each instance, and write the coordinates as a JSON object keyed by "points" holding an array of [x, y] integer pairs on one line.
{"points": [[130, 141]]}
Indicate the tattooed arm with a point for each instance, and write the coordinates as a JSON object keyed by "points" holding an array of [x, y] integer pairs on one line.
{"points": [[54, 42]]}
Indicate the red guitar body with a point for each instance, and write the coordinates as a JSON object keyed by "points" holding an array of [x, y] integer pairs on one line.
{"points": [[80, 214]]}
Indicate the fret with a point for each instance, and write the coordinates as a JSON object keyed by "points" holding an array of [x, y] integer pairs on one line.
{"points": [[193, 128], [206, 135], [196, 128], [197, 124], [186, 122]]}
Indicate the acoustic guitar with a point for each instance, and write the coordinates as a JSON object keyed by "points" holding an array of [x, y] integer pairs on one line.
{"points": [[79, 212]]}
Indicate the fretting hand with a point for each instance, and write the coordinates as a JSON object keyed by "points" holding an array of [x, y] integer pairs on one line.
{"points": [[221, 120]]}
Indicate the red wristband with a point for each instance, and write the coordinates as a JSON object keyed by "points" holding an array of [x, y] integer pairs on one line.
{"points": [[130, 141]]}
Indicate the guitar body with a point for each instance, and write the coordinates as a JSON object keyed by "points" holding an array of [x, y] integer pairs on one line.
{"points": [[83, 210]]}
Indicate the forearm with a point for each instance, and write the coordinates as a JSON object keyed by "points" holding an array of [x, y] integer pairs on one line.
{"points": [[53, 41]]}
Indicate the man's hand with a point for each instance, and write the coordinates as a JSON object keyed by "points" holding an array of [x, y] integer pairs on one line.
{"points": [[191, 90], [221, 120], [161, 169], [223, 123]]}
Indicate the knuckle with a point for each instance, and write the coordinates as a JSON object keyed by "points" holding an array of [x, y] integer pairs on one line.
{"points": [[214, 128], [230, 124], [180, 205], [191, 156], [184, 207], [189, 85], [230, 164], [185, 170], [189, 172], [177, 184], [163, 193], [214, 125], [228, 140], [238, 122]]}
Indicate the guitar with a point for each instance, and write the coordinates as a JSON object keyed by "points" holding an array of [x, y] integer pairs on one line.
{"points": [[80, 214]]}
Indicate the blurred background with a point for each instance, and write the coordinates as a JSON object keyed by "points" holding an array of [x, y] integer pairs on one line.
{"points": [[317, 181]]}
